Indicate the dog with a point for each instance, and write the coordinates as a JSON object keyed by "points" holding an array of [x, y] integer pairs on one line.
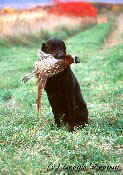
{"points": [[63, 90]]}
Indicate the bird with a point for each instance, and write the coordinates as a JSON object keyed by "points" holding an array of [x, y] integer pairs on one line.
{"points": [[45, 67]]}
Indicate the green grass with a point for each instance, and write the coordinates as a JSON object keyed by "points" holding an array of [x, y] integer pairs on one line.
{"points": [[29, 144], [87, 43]]}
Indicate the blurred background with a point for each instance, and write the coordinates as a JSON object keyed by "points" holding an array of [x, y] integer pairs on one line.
{"points": [[21, 21]]}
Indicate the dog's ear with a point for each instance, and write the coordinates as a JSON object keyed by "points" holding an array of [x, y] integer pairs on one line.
{"points": [[44, 47]]}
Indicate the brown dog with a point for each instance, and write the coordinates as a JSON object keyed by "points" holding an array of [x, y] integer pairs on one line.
{"points": [[63, 90]]}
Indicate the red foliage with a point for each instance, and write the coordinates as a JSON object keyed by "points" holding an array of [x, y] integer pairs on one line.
{"points": [[77, 9]]}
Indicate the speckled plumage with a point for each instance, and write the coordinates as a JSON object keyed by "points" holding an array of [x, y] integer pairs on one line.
{"points": [[46, 66]]}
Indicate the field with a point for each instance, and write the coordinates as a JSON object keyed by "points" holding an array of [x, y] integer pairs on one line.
{"points": [[33, 145], [34, 24]]}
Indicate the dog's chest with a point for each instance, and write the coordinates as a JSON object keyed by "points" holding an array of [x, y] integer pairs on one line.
{"points": [[56, 83]]}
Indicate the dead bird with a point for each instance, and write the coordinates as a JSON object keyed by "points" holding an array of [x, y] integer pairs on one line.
{"points": [[47, 66]]}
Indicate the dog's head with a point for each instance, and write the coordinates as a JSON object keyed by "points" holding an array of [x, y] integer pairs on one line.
{"points": [[56, 47]]}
